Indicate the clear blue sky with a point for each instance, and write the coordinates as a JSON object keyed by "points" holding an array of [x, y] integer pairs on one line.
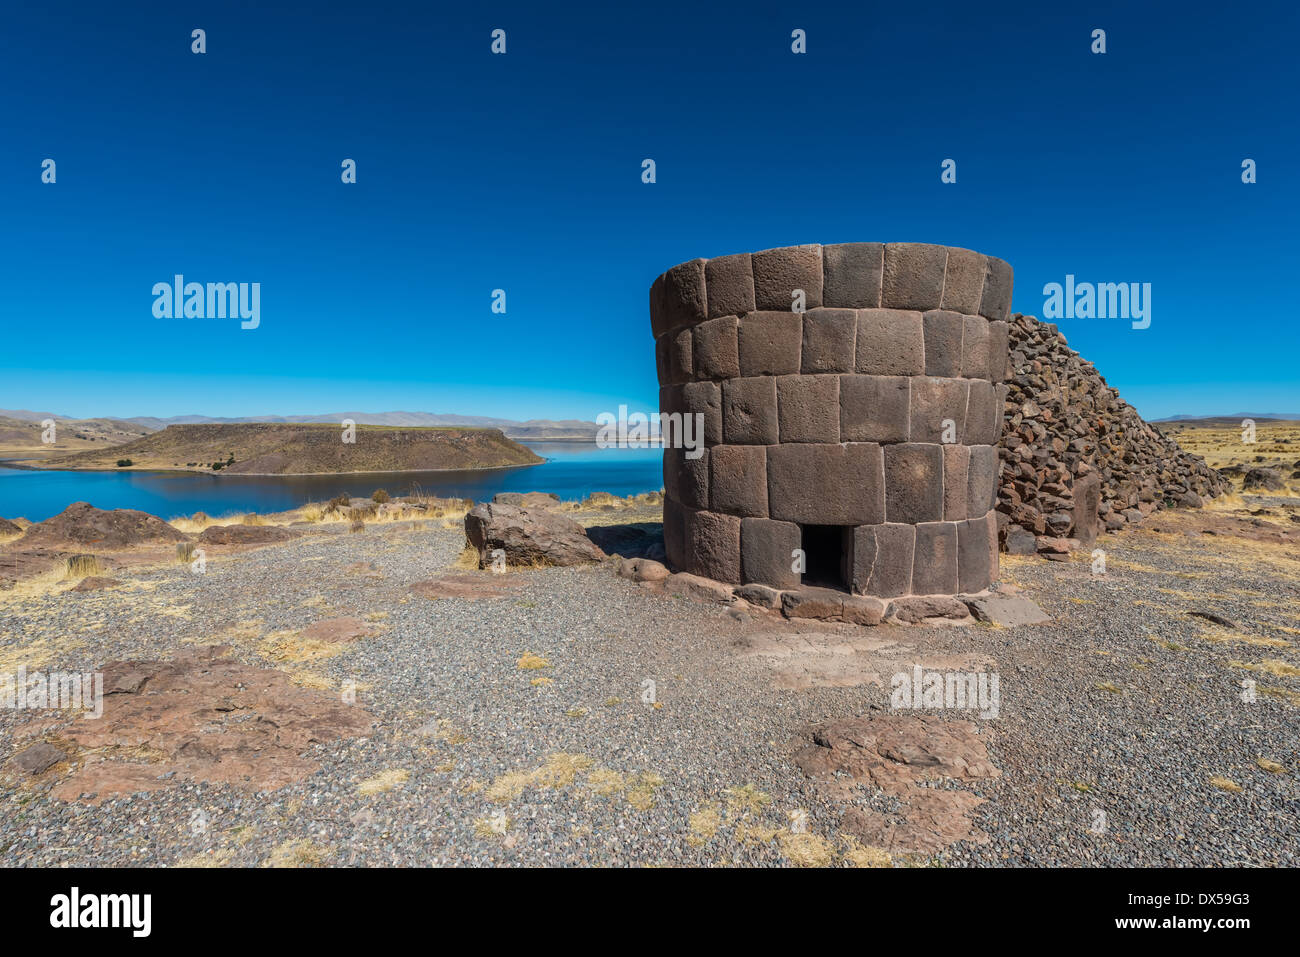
{"points": [[522, 172]]}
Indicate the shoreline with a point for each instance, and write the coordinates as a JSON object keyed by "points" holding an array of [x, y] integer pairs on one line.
{"points": [[163, 471]]}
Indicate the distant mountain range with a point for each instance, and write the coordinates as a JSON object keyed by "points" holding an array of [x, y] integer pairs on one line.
{"points": [[536, 430], [1232, 418]]}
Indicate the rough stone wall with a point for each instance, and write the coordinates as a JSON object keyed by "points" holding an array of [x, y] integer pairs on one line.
{"points": [[1064, 424], [835, 416]]}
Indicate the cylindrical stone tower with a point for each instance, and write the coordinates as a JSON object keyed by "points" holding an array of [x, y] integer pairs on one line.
{"points": [[852, 399]]}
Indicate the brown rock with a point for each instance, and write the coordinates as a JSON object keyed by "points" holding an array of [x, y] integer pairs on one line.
{"points": [[81, 524], [529, 536], [243, 535], [698, 588]]}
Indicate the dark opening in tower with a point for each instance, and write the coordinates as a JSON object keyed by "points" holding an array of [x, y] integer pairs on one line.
{"points": [[828, 552]]}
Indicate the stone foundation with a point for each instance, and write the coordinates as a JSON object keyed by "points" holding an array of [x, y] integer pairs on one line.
{"points": [[861, 430]]}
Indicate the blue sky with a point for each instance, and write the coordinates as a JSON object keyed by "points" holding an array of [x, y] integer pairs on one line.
{"points": [[522, 172]]}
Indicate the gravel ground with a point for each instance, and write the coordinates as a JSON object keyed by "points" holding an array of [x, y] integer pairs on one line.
{"points": [[706, 778]]}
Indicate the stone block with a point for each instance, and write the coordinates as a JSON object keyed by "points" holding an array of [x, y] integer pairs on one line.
{"points": [[851, 275], [882, 560], [913, 483], [766, 549], [983, 414], [935, 401], [944, 333], [713, 546], [963, 285], [975, 361], [778, 272], [658, 318], [808, 408], [1087, 503], [674, 534], [687, 479], [956, 460], [681, 363], [717, 354], [826, 484], [704, 398], [974, 553], [729, 282], [890, 342], [995, 302], [981, 479], [662, 366], [684, 300], [738, 480], [875, 408], [829, 338], [749, 411], [770, 343], [999, 351], [934, 563], [913, 276]]}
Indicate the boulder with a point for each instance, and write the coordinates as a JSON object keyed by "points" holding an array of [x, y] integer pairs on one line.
{"points": [[1269, 480], [701, 589], [83, 524], [641, 570], [1009, 611], [527, 499], [528, 536], [243, 534]]}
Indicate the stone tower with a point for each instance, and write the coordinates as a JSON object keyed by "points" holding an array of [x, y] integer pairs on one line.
{"points": [[852, 399]]}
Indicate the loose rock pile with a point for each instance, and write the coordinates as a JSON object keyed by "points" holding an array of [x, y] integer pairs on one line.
{"points": [[1063, 424]]}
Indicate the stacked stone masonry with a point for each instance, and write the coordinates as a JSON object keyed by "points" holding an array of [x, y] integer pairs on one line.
{"points": [[865, 424]]}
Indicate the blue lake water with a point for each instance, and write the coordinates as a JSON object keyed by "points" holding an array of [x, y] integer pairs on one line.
{"points": [[572, 471]]}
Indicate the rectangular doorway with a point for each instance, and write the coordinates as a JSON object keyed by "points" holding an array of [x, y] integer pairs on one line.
{"points": [[828, 552]]}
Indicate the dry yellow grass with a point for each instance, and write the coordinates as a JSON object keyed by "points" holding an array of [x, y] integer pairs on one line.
{"points": [[703, 825], [1224, 784], [289, 646], [302, 853], [383, 782], [531, 662], [805, 850]]}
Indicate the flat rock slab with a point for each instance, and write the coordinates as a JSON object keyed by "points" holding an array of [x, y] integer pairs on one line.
{"points": [[39, 758], [918, 609], [899, 754], [827, 604], [95, 583], [468, 585], [1009, 611], [243, 535], [201, 716]]}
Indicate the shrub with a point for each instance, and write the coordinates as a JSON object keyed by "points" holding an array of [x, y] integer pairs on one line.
{"points": [[380, 496], [123, 463]]}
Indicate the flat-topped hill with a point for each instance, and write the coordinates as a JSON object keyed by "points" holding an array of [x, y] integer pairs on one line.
{"points": [[259, 448]]}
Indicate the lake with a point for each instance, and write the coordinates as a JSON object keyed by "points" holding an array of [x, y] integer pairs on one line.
{"points": [[572, 471]]}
